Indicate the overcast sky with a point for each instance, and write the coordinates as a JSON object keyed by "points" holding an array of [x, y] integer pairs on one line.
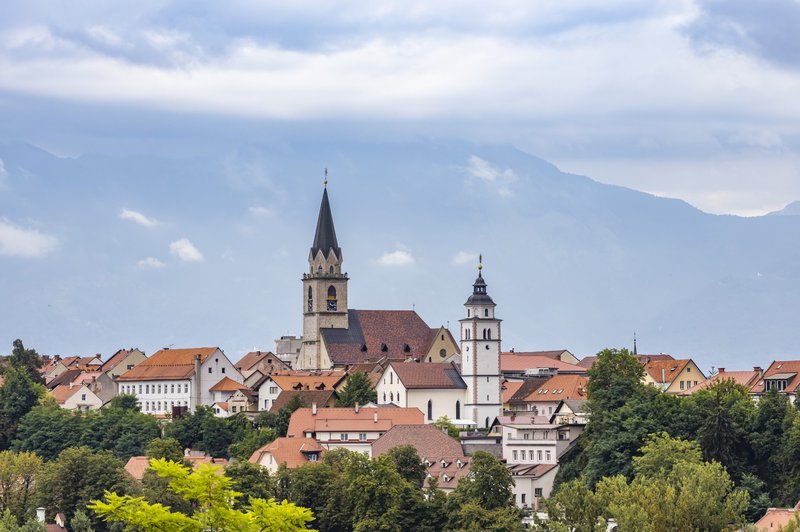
{"points": [[691, 99]]}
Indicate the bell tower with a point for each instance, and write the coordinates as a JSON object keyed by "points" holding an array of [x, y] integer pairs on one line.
{"points": [[480, 355], [324, 288]]}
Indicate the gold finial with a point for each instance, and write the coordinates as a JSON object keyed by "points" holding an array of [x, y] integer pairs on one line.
{"points": [[480, 262], [326, 178]]}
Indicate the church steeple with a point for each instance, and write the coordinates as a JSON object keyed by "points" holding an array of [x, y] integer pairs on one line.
{"points": [[325, 237]]}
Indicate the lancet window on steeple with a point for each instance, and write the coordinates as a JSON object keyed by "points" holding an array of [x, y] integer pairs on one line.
{"points": [[331, 298], [310, 300]]}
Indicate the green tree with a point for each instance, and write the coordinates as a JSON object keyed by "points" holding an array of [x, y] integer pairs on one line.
{"points": [[166, 448], [444, 424], [357, 389], [27, 359], [8, 523], [19, 475], [660, 454], [81, 522], [575, 507], [18, 395], [78, 476], [252, 480], [123, 431], [252, 440], [409, 464], [279, 421], [124, 401], [48, 430], [213, 497], [489, 483]]}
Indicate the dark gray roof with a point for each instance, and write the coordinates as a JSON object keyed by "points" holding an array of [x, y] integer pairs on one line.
{"points": [[479, 295], [325, 237]]}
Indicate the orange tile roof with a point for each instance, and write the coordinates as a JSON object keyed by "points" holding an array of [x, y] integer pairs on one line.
{"points": [[510, 388], [428, 440], [521, 362], [743, 378], [303, 420], [560, 387], [416, 375], [775, 519], [136, 466], [115, 359], [226, 384], [168, 364], [448, 475], [665, 370], [62, 392], [308, 397], [289, 451], [776, 368]]}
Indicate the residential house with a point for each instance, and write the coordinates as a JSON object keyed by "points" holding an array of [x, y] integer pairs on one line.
{"points": [[571, 412], [137, 465], [321, 398], [76, 397], [65, 377], [173, 380], [745, 378], [271, 386], [782, 376], [224, 390], [263, 361], [671, 376], [290, 452], [122, 361], [447, 470], [350, 428], [244, 400], [559, 354], [509, 389], [588, 362], [542, 396], [534, 439], [524, 365], [776, 519], [101, 384], [532, 483], [435, 389]]}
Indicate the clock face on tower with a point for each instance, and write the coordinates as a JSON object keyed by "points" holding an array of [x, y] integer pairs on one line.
{"points": [[331, 305]]}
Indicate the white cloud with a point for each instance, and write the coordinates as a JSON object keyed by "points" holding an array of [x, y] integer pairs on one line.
{"points": [[150, 263], [398, 257], [138, 217], [465, 257], [21, 242], [259, 211], [498, 178], [185, 250]]}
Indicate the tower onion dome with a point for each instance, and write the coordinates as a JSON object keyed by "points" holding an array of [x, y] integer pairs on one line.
{"points": [[325, 237], [479, 295]]}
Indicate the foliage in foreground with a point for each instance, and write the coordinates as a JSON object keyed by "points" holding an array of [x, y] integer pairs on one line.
{"points": [[213, 498]]}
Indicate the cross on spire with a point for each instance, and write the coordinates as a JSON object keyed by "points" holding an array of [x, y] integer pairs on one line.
{"points": [[326, 177]]}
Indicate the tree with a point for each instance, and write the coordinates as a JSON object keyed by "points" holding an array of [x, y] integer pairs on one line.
{"points": [[124, 401], [280, 421], [661, 453], [409, 464], [19, 474], [213, 497], [48, 430], [8, 523], [18, 395], [125, 432], [357, 389], [444, 424], [166, 448], [489, 483], [252, 480], [576, 507], [78, 476], [27, 359], [81, 522]]}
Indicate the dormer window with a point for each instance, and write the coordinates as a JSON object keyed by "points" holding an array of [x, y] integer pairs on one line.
{"points": [[384, 348]]}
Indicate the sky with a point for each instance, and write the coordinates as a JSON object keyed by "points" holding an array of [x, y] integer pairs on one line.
{"points": [[688, 99]]}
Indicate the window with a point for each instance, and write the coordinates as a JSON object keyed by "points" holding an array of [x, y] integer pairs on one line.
{"points": [[222, 370], [526, 436], [362, 436], [159, 388], [547, 455], [430, 410], [83, 397], [310, 300], [312, 457], [384, 397], [442, 353], [171, 388], [468, 313], [233, 409], [343, 437], [522, 498], [140, 389], [266, 404], [209, 370], [391, 396], [466, 334], [331, 299], [458, 409], [522, 453], [146, 388], [486, 312], [537, 492], [539, 456], [273, 389], [681, 385], [514, 455], [391, 378]]}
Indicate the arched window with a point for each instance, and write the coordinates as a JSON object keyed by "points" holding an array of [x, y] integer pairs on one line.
{"points": [[384, 397], [458, 409], [331, 298], [468, 313], [487, 422], [391, 396], [484, 334], [466, 334], [486, 312], [391, 377], [488, 334], [430, 410], [310, 300], [330, 270]]}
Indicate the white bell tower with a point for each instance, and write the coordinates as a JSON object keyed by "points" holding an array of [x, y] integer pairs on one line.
{"points": [[480, 355]]}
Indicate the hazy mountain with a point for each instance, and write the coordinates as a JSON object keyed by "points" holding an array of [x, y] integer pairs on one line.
{"points": [[570, 262], [793, 209]]}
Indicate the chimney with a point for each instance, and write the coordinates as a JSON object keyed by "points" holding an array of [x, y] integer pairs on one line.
{"points": [[758, 369], [40, 515], [721, 370], [313, 409], [357, 407], [197, 378], [375, 416], [512, 349]]}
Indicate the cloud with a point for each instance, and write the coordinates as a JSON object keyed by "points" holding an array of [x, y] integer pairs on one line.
{"points": [[16, 241], [259, 211], [465, 257], [150, 263], [495, 177], [398, 257], [138, 217], [185, 250]]}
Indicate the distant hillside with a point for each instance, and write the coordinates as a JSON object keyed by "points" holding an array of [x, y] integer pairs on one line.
{"points": [[793, 209], [571, 263]]}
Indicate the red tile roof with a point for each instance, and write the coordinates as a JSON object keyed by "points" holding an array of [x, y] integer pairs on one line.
{"points": [[226, 384], [775, 519], [418, 375], [168, 364], [115, 359], [779, 367], [448, 470], [290, 451], [428, 440], [321, 397], [375, 334], [520, 362], [328, 419], [510, 388], [664, 370], [745, 378], [256, 360], [62, 392], [560, 387], [303, 380]]}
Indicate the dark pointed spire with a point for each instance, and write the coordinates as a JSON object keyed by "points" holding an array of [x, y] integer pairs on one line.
{"points": [[634, 345], [325, 237], [479, 295]]}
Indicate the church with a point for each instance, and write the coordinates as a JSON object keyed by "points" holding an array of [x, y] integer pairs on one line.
{"points": [[424, 366]]}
